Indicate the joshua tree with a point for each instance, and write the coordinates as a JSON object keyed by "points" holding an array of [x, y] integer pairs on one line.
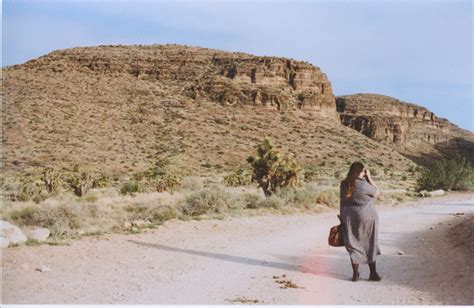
{"points": [[271, 170]]}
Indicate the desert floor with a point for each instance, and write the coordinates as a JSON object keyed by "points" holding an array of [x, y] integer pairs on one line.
{"points": [[263, 260]]}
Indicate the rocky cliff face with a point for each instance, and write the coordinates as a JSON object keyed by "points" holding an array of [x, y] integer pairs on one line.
{"points": [[228, 78], [406, 125]]}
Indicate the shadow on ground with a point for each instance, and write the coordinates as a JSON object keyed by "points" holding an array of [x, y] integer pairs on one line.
{"points": [[293, 266]]}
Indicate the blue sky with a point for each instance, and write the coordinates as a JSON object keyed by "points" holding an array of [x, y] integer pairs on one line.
{"points": [[418, 51]]}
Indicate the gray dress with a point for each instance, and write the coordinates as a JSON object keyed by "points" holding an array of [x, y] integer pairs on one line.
{"points": [[360, 221]]}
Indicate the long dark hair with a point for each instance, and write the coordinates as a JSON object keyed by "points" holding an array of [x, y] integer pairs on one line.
{"points": [[349, 182]]}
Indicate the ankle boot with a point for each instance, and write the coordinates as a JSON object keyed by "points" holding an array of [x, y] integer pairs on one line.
{"points": [[373, 273], [355, 269]]}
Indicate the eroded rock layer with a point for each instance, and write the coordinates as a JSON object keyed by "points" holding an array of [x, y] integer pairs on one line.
{"points": [[230, 78], [408, 126]]}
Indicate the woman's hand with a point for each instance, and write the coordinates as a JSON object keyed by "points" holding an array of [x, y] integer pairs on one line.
{"points": [[369, 179]]}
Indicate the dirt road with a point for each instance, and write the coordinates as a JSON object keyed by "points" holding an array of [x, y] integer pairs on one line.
{"points": [[263, 260]]}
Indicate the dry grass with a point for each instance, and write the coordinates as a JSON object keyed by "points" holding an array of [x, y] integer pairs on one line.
{"points": [[106, 210]]}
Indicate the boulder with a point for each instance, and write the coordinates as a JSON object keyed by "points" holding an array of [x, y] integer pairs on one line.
{"points": [[423, 193], [4, 242], [11, 233], [40, 234], [436, 193]]}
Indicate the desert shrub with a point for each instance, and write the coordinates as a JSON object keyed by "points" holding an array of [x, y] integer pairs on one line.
{"points": [[159, 177], [166, 182], [30, 188], [163, 213], [328, 197], [299, 197], [448, 174], [26, 216], [191, 183], [40, 197], [310, 173], [239, 177], [138, 212], [90, 198], [212, 200], [272, 201], [101, 181], [272, 171], [132, 187], [80, 182], [251, 201], [303, 197], [52, 180], [62, 220]]}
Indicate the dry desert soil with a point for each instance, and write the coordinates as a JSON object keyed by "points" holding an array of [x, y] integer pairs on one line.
{"points": [[426, 259]]}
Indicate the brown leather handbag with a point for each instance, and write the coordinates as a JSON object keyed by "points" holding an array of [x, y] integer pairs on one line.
{"points": [[336, 238]]}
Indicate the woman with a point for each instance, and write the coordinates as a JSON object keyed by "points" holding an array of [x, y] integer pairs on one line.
{"points": [[360, 219]]}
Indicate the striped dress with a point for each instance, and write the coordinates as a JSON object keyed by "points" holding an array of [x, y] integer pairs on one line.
{"points": [[360, 220]]}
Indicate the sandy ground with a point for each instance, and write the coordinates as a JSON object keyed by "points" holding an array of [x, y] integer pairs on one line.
{"points": [[250, 260]]}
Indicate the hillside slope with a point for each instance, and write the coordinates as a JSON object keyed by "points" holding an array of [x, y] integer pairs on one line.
{"points": [[120, 108]]}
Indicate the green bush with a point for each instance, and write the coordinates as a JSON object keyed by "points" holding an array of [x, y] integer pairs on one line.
{"points": [[62, 220], [207, 201], [166, 182], [52, 180], [447, 174], [239, 177], [310, 173], [272, 171], [162, 214], [132, 187], [328, 197], [272, 201], [159, 177], [27, 216], [251, 201], [304, 197], [101, 181], [31, 188]]}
